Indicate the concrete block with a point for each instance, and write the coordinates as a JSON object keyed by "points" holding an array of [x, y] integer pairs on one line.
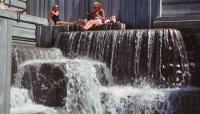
{"points": [[5, 66], [16, 3]]}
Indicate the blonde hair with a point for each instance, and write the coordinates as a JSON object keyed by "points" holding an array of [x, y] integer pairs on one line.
{"points": [[97, 4], [54, 6]]}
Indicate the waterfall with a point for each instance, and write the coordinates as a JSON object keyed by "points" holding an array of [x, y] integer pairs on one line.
{"points": [[83, 89], [105, 72], [155, 57], [21, 54], [21, 103], [47, 80]]}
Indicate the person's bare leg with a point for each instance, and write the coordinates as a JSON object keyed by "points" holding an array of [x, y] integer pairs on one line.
{"points": [[90, 24], [64, 23], [85, 27], [61, 23]]}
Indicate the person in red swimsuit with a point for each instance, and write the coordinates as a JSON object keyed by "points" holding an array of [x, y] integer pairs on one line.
{"points": [[54, 15], [96, 18]]}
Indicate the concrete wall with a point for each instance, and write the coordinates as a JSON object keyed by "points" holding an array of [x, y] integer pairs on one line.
{"points": [[180, 7], [15, 28], [22, 26], [13, 4], [39, 8], [19, 4], [22, 33], [184, 15], [5, 66], [134, 13]]}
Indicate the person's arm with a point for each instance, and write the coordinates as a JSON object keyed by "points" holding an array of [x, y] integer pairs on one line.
{"points": [[102, 14], [91, 15], [49, 18]]}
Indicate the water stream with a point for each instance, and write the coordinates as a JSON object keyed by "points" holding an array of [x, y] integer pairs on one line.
{"points": [[113, 72]]}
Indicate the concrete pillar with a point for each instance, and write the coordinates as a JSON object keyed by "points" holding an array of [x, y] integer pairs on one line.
{"points": [[2, 4], [5, 66], [160, 8]]}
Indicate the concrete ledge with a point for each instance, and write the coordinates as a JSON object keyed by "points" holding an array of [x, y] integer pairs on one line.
{"points": [[46, 35], [22, 33], [22, 17], [181, 17], [23, 43], [21, 27], [16, 3], [169, 2], [179, 22], [180, 7], [5, 67]]}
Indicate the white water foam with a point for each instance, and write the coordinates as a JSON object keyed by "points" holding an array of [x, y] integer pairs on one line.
{"points": [[83, 89], [86, 95], [21, 103]]}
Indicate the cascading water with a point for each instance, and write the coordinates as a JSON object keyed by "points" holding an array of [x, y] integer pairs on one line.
{"points": [[21, 54], [21, 103], [134, 60], [157, 57], [28, 87], [43, 78]]}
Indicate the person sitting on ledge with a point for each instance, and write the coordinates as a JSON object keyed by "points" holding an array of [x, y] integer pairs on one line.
{"points": [[54, 15], [96, 18], [111, 20]]}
